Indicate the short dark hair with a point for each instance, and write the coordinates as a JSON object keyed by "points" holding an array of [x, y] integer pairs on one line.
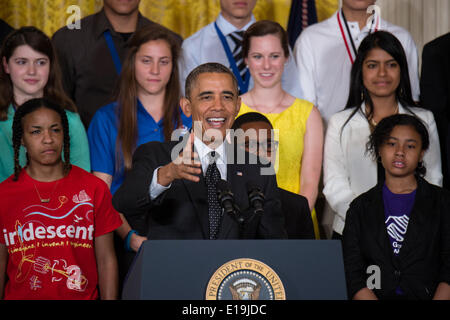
{"points": [[384, 128], [210, 67], [250, 117], [263, 28], [17, 128]]}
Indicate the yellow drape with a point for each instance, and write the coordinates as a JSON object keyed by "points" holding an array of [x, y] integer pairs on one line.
{"points": [[182, 16]]}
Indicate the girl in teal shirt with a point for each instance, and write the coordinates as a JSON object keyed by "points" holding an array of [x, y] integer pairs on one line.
{"points": [[30, 70]]}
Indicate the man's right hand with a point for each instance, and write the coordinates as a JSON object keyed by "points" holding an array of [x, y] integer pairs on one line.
{"points": [[185, 166]]}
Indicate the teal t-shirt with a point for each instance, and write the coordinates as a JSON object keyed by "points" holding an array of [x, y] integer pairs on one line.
{"points": [[79, 146]]}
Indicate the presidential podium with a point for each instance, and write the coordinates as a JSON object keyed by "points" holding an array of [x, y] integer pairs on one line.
{"points": [[237, 269]]}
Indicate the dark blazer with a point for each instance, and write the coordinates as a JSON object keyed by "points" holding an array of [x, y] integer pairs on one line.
{"points": [[87, 67], [181, 212], [424, 259], [435, 93], [5, 29], [297, 216]]}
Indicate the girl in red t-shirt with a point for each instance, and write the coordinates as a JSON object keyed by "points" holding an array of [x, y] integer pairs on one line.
{"points": [[56, 220]]}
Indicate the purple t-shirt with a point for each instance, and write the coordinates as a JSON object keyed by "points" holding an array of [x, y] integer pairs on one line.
{"points": [[397, 209]]}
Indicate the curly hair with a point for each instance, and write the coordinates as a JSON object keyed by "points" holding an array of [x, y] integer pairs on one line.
{"points": [[17, 128], [383, 130]]}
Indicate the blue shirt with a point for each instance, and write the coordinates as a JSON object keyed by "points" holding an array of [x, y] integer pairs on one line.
{"points": [[102, 136]]}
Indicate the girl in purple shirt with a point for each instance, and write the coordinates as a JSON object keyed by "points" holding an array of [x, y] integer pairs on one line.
{"points": [[401, 227]]}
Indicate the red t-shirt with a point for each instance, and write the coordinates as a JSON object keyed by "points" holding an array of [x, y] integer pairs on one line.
{"points": [[51, 245]]}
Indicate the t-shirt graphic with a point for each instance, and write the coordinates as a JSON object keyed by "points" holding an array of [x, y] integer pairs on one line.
{"points": [[397, 209], [51, 245], [396, 228]]}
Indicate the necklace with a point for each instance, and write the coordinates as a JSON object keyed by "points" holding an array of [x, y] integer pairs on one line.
{"points": [[46, 200], [374, 123], [276, 105]]}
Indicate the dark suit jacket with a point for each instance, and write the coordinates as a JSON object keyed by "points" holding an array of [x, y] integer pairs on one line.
{"points": [[297, 216], [424, 259], [5, 29], [181, 212], [87, 67], [435, 93]]}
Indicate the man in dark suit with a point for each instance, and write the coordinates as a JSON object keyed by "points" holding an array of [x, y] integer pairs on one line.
{"points": [[295, 208], [92, 55], [435, 93], [171, 191]]}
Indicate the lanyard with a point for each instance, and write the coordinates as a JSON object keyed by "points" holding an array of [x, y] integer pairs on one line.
{"points": [[113, 51], [243, 83], [349, 35]]}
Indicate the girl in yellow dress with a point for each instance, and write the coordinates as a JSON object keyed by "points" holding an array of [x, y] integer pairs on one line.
{"points": [[300, 131]]}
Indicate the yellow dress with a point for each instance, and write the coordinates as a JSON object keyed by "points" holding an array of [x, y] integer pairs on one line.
{"points": [[291, 125]]}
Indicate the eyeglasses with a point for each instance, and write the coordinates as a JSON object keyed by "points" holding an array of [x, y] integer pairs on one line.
{"points": [[255, 146]]}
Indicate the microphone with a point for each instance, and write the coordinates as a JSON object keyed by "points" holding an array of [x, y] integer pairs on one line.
{"points": [[255, 197], [252, 215], [226, 199]]}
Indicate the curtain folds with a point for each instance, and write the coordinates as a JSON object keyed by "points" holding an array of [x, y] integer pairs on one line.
{"points": [[182, 16]]}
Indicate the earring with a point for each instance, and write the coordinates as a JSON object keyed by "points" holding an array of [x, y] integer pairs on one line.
{"points": [[420, 165]]}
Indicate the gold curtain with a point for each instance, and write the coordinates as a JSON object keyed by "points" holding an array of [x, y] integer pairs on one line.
{"points": [[182, 16]]}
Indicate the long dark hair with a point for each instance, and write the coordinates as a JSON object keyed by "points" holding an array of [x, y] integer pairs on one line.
{"points": [[39, 42], [383, 130], [127, 92], [358, 93], [17, 130]]}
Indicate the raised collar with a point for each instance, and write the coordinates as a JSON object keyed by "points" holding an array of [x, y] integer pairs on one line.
{"points": [[227, 28], [101, 23], [203, 150]]}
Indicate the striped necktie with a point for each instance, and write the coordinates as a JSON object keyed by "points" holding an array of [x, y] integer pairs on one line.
{"points": [[238, 56]]}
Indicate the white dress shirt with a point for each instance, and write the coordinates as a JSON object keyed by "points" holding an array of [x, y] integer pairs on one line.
{"points": [[205, 46], [349, 171], [203, 153], [324, 64]]}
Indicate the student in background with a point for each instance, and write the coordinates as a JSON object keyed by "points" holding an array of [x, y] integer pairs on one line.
{"points": [[298, 167], [30, 70], [221, 41], [57, 219], [146, 109], [91, 57], [402, 225], [325, 52], [258, 138], [379, 88]]}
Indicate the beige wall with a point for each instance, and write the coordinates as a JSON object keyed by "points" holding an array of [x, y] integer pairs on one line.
{"points": [[424, 19]]}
